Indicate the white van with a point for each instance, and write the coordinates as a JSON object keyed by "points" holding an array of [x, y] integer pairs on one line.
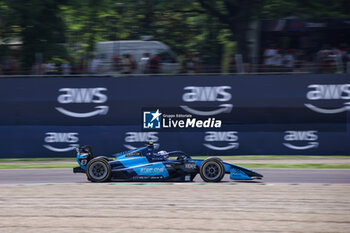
{"points": [[106, 50]]}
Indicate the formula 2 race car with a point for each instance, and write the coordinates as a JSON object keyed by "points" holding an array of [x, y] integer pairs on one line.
{"points": [[143, 164]]}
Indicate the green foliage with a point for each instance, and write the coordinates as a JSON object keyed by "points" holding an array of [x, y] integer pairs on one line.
{"points": [[187, 26], [305, 9], [39, 27], [228, 52], [36, 166]]}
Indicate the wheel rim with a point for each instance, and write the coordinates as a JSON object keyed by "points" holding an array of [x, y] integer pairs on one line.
{"points": [[212, 170], [98, 170]]}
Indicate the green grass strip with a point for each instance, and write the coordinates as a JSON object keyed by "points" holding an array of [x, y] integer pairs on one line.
{"points": [[37, 159], [36, 166], [231, 157], [277, 157], [246, 165], [295, 166]]}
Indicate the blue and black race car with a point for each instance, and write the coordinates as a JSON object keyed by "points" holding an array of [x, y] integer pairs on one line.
{"points": [[143, 164]]}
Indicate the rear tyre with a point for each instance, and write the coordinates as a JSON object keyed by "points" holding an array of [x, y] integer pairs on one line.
{"points": [[212, 170], [98, 170]]}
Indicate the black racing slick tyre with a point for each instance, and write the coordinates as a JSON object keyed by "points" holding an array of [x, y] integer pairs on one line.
{"points": [[212, 170], [98, 170]]}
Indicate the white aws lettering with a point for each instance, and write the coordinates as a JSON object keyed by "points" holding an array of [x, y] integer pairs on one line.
{"points": [[141, 137], [52, 137], [213, 136], [218, 93], [82, 95], [331, 91], [310, 135]]}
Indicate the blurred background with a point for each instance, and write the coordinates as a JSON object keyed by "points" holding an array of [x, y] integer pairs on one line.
{"points": [[300, 106], [44, 37]]}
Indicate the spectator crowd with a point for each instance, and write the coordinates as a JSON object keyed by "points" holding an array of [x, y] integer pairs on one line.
{"points": [[328, 59]]}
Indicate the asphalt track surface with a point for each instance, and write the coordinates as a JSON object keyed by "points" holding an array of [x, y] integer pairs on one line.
{"points": [[56, 200], [271, 176]]}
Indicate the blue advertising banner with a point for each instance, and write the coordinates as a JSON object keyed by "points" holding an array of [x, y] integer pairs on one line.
{"points": [[258, 114]]}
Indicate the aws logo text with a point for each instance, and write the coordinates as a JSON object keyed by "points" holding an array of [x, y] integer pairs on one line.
{"points": [[69, 140], [207, 94], [329, 92], [301, 140], [82, 96], [137, 139], [224, 140]]}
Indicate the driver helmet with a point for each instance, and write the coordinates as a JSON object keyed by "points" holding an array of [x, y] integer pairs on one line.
{"points": [[150, 144], [162, 153]]}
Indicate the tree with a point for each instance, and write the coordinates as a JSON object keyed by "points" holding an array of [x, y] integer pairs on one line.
{"points": [[85, 22], [40, 29], [204, 26], [237, 15], [305, 9]]}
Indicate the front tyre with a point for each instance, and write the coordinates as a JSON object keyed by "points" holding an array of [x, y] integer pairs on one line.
{"points": [[98, 170], [212, 170]]}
